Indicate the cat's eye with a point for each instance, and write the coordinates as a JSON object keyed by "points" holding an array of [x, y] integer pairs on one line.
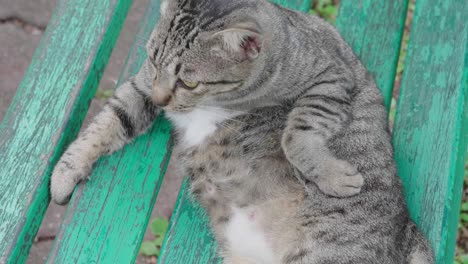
{"points": [[190, 85]]}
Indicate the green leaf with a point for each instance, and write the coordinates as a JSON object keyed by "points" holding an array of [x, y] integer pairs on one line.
{"points": [[104, 94], [149, 249], [108, 93], [392, 112], [329, 11], [464, 217], [461, 259], [158, 241], [464, 206], [159, 226]]}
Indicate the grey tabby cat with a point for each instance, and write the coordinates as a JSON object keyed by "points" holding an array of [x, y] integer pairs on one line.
{"points": [[281, 129]]}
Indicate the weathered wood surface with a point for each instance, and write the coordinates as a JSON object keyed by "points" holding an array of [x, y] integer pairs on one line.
{"points": [[188, 238], [374, 30], [47, 112], [430, 132], [107, 217], [301, 5]]}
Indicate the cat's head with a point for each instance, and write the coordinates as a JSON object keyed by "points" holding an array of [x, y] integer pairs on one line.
{"points": [[205, 52]]}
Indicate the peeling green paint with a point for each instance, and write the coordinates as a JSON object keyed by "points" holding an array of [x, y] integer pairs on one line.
{"points": [[47, 112], [430, 132]]}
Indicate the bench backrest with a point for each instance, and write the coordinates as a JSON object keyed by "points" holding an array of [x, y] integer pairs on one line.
{"points": [[107, 217]]}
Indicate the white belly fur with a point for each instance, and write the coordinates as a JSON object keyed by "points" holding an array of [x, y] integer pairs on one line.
{"points": [[197, 125], [246, 237]]}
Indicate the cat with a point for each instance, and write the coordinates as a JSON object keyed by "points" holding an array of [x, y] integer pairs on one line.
{"points": [[280, 128]]}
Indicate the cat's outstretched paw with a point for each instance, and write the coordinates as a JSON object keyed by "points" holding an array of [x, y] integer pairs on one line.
{"points": [[65, 176], [339, 178]]}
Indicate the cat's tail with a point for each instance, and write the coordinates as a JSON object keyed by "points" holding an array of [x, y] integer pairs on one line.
{"points": [[420, 249]]}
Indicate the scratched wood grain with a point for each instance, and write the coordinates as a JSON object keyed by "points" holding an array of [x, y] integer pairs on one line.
{"points": [[374, 30], [300, 5], [107, 217], [430, 133], [47, 112], [189, 238]]}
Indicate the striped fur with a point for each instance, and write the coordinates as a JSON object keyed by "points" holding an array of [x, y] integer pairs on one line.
{"points": [[295, 151], [127, 114]]}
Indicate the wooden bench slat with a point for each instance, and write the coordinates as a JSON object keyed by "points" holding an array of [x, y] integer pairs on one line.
{"points": [[106, 220], [374, 30], [188, 239], [182, 241], [430, 132], [107, 217], [300, 5], [47, 112]]}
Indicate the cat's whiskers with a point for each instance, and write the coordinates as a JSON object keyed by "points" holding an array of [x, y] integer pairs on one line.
{"points": [[226, 126]]}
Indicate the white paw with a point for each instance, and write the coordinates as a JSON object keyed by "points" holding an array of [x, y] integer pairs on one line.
{"points": [[339, 178], [65, 176]]}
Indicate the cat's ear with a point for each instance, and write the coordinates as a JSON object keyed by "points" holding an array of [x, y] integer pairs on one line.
{"points": [[242, 39]]}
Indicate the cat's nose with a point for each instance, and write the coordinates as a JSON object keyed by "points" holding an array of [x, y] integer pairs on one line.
{"points": [[162, 94], [161, 98]]}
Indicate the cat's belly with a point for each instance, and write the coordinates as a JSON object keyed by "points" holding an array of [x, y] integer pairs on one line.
{"points": [[247, 238], [239, 174]]}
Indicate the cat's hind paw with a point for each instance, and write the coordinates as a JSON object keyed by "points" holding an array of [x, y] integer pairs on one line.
{"points": [[339, 178]]}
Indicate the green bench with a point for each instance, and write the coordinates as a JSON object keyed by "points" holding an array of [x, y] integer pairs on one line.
{"points": [[106, 219]]}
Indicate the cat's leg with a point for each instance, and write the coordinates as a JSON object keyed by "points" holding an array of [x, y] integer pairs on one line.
{"points": [[317, 116], [127, 114]]}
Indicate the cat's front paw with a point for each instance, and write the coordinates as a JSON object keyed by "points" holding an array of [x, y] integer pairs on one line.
{"points": [[339, 178], [66, 175]]}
